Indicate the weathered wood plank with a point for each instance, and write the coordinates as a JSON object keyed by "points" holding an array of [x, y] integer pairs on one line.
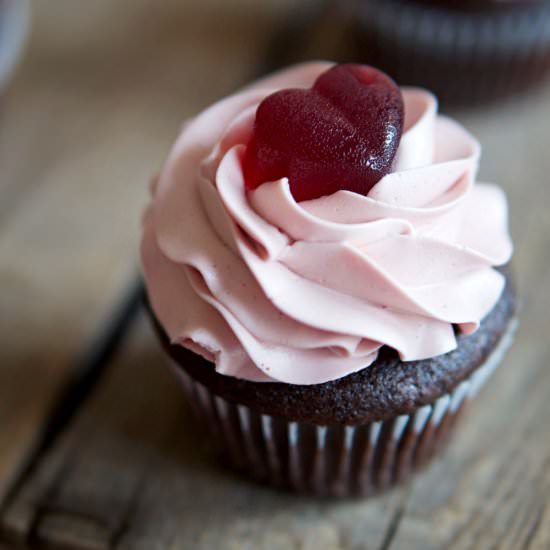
{"points": [[89, 117], [493, 482]]}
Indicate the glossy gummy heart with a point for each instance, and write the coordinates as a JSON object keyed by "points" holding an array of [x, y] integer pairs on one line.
{"points": [[343, 133]]}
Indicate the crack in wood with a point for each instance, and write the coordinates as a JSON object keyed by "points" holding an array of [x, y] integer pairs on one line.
{"points": [[393, 526], [80, 383], [51, 508], [125, 521], [531, 534]]}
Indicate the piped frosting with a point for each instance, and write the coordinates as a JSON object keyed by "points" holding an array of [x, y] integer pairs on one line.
{"points": [[269, 289]]}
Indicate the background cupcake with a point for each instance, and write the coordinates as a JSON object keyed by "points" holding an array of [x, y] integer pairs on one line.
{"points": [[330, 343], [465, 52]]}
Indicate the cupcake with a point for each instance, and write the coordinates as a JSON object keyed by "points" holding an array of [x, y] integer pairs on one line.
{"points": [[466, 51], [327, 278]]}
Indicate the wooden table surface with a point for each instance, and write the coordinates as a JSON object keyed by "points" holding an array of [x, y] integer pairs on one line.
{"points": [[88, 119]]}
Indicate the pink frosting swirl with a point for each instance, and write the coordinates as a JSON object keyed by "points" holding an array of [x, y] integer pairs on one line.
{"points": [[303, 293]]}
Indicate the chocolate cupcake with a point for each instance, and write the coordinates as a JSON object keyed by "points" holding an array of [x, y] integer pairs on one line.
{"points": [[466, 52], [320, 266]]}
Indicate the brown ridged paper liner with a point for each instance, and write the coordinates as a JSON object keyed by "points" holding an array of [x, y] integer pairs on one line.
{"points": [[339, 460], [463, 57]]}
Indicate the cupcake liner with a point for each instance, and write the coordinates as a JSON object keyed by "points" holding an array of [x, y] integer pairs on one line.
{"points": [[335, 460], [462, 56]]}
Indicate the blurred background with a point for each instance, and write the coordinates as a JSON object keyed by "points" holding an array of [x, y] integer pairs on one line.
{"points": [[99, 94]]}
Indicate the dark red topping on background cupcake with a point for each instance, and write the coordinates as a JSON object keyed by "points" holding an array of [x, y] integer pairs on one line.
{"points": [[343, 133]]}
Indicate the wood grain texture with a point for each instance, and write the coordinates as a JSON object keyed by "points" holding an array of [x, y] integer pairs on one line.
{"points": [[83, 493], [89, 117]]}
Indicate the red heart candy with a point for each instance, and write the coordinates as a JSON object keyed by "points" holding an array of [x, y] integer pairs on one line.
{"points": [[341, 134]]}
